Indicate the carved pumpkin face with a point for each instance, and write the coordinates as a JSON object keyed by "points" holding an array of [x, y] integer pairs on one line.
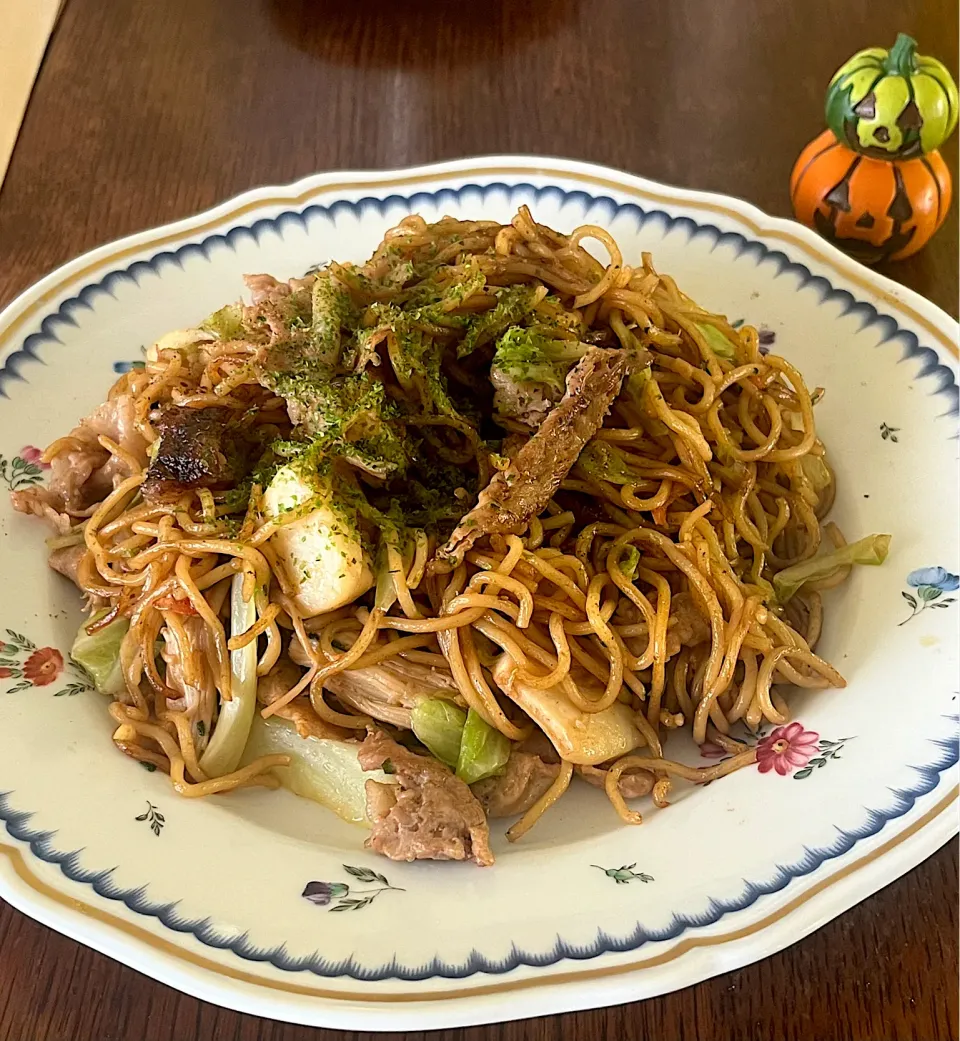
{"points": [[893, 104], [872, 209]]}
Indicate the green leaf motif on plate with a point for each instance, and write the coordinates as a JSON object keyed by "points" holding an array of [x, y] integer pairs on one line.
{"points": [[153, 817], [623, 875]]}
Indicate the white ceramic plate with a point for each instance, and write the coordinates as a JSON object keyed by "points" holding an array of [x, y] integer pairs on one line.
{"points": [[206, 895]]}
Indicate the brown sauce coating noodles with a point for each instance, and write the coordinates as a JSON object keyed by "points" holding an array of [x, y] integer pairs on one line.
{"points": [[646, 583]]}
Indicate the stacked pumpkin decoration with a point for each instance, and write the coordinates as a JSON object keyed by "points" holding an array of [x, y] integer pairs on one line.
{"points": [[874, 184]]}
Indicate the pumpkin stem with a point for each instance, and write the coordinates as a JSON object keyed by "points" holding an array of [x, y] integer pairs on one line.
{"points": [[901, 59]]}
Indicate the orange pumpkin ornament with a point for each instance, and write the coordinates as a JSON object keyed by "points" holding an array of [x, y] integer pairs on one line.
{"points": [[873, 209]]}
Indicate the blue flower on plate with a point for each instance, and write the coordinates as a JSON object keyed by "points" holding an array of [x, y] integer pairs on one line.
{"points": [[930, 583], [120, 367], [938, 577]]}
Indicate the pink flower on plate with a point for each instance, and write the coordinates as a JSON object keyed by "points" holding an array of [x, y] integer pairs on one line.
{"points": [[32, 454], [710, 750], [786, 749]]}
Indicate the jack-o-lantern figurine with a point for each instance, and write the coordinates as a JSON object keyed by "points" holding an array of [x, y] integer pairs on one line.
{"points": [[874, 184]]}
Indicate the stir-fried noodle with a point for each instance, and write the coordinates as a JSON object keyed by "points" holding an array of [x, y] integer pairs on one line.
{"points": [[555, 486]]}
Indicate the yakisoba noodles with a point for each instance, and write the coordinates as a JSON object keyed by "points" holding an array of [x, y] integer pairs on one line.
{"points": [[454, 527]]}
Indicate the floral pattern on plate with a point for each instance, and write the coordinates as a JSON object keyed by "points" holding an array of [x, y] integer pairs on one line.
{"points": [[32, 666], [930, 583], [785, 749], [153, 817], [349, 899], [23, 470], [623, 875], [889, 433]]}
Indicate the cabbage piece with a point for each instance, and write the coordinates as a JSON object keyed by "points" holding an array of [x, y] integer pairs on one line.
{"points": [[332, 310], [230, 734], [385, 594], [635, 385], [634, 393], [484, 751], [872, 550], [513, 304], [186, 341], [322, 769], [439, 725], [227, 323], [606, 462], [721, 345], [99, 654], [629, 562], [527, 355], [321, 548], [582, 738]]}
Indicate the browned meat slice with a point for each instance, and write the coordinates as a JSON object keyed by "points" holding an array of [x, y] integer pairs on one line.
{"points": [[266, 287], [381, 799], [512, 444], [197, 448], [525, 779], [527, 401], [66, 561], [631, 786], [387, 691], [276, 683], [83, 472], [429, 814], [197, 694], [520, 492], [37, 503]]}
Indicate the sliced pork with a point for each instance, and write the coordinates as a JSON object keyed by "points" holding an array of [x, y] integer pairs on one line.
{"points": [[266, 287], [688, 624], [521, 492], [66, 561], [36, 502], [197, 693], [525, 779], [428, 814], [84, 472], [527, 401], [198, 448], [388, 691]]}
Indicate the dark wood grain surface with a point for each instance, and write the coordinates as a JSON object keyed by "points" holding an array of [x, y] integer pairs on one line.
{"points": [[148, 111]]}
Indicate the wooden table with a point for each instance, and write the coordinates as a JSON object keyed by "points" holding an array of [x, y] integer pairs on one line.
{"points": [[146, 112]]}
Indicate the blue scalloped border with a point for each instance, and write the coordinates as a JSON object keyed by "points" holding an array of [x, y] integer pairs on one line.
{"points": [[42, 844]]}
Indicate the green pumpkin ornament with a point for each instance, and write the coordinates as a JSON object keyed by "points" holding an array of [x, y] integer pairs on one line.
{"points": [[894, 104]]}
